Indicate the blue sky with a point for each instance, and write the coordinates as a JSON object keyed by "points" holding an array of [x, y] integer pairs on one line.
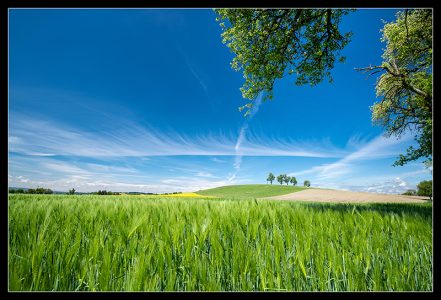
{"points": [[145, 100]]}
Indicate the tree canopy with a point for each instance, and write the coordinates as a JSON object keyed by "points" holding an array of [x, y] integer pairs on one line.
{"points": [[270, 177], [425, 188], [293, 180], [280, 178], [405, 85], [272, 43], [286, 178]]}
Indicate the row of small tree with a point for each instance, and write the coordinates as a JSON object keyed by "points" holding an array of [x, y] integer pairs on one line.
{"points": [[104, 192], [283, 178]]}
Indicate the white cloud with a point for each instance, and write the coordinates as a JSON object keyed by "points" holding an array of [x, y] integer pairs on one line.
{"points": [[205, 174], [34, 137], [391, 186], [379, 147], [61, 167], [60, 175], [109, 168], [22, 179], [38, 137], [217, 160]]}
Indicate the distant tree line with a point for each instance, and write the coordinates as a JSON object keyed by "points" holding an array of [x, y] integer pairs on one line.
{"points": [[38, 190], [283, 178], [72, 191]]}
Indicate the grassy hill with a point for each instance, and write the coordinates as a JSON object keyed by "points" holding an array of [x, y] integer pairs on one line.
{"points": [[250, 190]]}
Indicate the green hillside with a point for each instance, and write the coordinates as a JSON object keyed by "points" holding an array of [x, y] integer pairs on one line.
{"points": [[250, 190]]}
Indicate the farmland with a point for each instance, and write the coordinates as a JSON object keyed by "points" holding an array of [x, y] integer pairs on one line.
{"points": [[250, 191], [155, 243]]}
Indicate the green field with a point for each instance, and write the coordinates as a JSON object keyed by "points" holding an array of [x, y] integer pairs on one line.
{"points": [[137, 243], [251, 191]]}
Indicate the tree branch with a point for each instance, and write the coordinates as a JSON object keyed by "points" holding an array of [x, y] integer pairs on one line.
{"points": [[402, 76]]}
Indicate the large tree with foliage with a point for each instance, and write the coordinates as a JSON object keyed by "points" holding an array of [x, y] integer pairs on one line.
{"points": [[405, 83], [425, 188], [272, 43]]}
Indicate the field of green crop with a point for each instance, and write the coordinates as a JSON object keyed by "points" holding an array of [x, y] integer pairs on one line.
{"points": [[251, 191], [136, 243]]}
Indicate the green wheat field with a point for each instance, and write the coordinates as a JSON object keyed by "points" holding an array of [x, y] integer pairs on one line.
{"points": [[154, 243]]}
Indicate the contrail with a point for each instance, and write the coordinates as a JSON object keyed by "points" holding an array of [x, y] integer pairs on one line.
{"points": [[242, 135]]}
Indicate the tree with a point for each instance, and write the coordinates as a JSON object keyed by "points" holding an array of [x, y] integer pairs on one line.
{"points": [[71, 192], [293, 180], [280, 179], [31, 191], [405, 85], [425, 188], [286, 178], [20, 191], [271, 177], [307, 183], [272, 43], [12, 191]]}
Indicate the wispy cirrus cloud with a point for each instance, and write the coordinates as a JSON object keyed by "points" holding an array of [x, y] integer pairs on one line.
{"points": [[37, 137], [217, 160], [40, 147], [61, 155], [377, 148]]}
